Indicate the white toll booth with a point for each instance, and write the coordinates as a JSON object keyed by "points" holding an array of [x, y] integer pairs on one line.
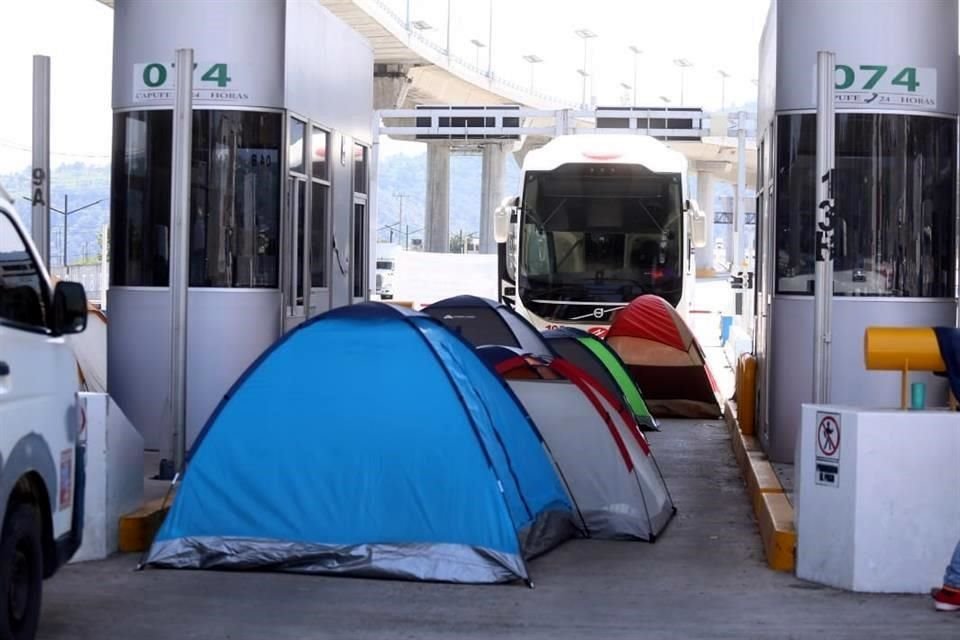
{"points": [[895, 187], [279, 227]]}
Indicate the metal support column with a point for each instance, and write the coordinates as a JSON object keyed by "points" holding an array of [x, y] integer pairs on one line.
{"points": [[437, 214], [823, 247], [373, 208], [705, 255], [179, 250], [741, 192], [40, 176], [494, 165]]}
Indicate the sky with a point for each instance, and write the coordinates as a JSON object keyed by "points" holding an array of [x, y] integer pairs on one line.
{"points": [[78, 37], [712, 35]]}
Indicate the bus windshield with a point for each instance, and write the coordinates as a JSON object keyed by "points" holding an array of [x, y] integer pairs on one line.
{"points": [[599, 233]]}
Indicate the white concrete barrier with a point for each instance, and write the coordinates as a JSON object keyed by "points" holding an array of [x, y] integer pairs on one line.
{"points": [[114, 475], [878, 497], [424, 278]]}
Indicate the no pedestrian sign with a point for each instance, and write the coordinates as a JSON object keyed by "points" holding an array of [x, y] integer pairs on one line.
{"points": [[828, 449]]}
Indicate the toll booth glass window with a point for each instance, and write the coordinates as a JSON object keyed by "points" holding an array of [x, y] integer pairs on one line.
{"points": [[140, 199], [320, 144], [894, 191], [359, 168], [318, 235], [235, 199], [296, 150]]}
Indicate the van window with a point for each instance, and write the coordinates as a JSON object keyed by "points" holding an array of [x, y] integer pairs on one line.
{"points": [[21, 289]]}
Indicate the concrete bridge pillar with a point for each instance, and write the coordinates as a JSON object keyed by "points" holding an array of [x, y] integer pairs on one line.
{"points": [[390, 85], [437, 212], [494, 165], [705, 199]]}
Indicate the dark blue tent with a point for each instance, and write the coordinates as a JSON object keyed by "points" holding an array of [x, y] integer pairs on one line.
{"points": [[369, 441], [481, 322]]}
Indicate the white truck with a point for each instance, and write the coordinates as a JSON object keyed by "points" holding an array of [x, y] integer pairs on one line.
{"points": [[386, 266], [42, 436]]}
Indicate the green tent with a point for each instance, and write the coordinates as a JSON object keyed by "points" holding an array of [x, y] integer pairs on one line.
{"points": [[594, 356]]}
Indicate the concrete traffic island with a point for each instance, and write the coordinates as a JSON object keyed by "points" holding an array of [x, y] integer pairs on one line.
{"points": [[878, 497]]}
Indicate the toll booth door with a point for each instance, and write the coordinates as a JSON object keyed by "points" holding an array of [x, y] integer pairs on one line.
{"points": [[296, 285]]}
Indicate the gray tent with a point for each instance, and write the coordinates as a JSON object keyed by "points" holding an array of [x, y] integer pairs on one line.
{"points": [[599, 450]]}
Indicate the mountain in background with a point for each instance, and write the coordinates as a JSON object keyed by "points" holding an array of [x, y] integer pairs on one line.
{"points": [[407, 174], [83, 184]]}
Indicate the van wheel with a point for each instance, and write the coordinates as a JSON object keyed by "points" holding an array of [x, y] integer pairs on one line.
{"points": [[21, 574]]}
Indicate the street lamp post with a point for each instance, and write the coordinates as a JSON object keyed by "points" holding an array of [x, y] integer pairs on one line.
{"points": [[665, 101], [448, 28], [490, 40], [585, 35], [66, 212], [723, 89], [533, 59], [400, 196], [684, 64], [479, 44], [636, 54]]}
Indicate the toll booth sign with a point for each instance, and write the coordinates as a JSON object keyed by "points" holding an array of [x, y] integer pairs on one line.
{"points": [[828, 449]]}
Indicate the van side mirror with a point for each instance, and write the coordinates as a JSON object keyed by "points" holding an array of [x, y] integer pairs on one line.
{"points": [[698, 224], [501, 218], [69, 308]]}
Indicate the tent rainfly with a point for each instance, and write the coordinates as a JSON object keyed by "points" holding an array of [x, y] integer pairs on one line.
{"points": [[665, 359], [596, 358], [605, 460], [374, 442], [481, 322]]}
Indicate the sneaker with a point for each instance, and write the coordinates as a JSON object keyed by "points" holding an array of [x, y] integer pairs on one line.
{"points": [[946, 599]]}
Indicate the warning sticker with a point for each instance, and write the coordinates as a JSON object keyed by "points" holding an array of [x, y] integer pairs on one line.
{"points": [[828, 449]]}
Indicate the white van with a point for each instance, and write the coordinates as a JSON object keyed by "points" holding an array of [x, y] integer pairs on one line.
{"points": [[42, 434]]}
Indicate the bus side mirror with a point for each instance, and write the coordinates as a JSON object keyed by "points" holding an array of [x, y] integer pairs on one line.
{"points": [[698, 224], [501, 218]]}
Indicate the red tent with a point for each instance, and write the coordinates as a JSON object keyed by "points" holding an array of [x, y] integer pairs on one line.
{"points": [[665, 359]]}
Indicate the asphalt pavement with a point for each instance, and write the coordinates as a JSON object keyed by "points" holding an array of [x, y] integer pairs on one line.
{"points": [[704, 578]]}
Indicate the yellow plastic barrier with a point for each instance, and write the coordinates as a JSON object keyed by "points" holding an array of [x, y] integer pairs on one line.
{"points": [[903, 349], [747, 393]]}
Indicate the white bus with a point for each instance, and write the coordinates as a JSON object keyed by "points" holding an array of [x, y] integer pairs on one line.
{"points": [[600, 220]]}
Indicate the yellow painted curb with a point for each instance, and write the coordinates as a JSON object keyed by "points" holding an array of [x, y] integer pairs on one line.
{"points": [[138, 528], [776, 528], [760, 478], [773, 511]]}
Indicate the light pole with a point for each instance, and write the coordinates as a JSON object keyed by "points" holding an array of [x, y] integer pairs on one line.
{"points": [[586, 35], [400, 196], [490, 41], [421, 25], [479, 44], [684, 64], [66, 212], [448, 28], [636, 54], [723, 89], [626, 94], [665, 101], [533, 59]]}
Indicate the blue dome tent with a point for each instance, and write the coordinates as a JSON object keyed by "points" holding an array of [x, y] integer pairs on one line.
{"points": [[369, 441]]}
